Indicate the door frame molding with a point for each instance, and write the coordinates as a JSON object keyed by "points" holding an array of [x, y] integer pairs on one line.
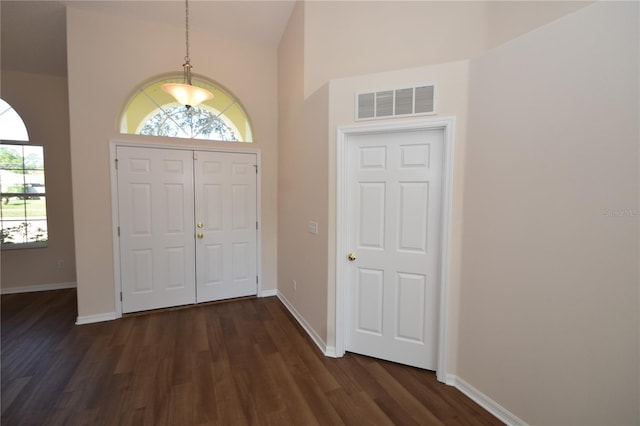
{"points": [[176, 144], [447, 124]]}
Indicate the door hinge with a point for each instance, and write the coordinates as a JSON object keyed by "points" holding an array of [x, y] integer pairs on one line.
{"points": [[121, 296], [256, 166], [118, 231], [116, 161], [256, 279], [256, 224]]}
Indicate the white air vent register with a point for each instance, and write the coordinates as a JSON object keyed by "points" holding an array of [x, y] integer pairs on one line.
{"points": [[395, 102]]}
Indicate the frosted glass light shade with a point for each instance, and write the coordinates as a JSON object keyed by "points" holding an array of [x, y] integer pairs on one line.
{"points": [[187, 94]]}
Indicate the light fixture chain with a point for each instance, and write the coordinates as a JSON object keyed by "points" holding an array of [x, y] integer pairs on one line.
{"points": [[186, 93], [186, 25]]}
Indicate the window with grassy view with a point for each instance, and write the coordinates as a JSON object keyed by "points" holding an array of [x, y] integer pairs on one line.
{"points": [[23, 210], [23, 202]]}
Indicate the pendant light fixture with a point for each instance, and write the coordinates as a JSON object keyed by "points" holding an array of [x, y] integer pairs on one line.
{"points": [[186, 93]]}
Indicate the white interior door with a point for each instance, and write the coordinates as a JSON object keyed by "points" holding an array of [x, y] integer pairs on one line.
{"points": [[155, 205], [393, 207], [226, 222]]}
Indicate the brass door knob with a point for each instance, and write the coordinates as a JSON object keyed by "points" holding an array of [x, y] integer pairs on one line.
{"points": [[200, 225], [351, 257], [199, 235]]}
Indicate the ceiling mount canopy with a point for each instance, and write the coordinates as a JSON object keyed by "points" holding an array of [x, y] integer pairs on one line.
{"points": [[186, 93]]}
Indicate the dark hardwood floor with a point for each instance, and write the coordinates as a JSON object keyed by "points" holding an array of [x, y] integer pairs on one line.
{"points": [[236, 363]]}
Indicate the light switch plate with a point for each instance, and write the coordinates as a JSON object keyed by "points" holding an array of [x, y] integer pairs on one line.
{"points": [[312, 227]]}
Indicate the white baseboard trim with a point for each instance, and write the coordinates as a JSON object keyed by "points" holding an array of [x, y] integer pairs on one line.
{"points": [[38, 287], [487, 403], [89, 319], [450, 379], [269, 293], [305, 325], [331, 352]]}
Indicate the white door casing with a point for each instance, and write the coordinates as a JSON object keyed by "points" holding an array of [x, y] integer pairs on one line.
{"points": [[240, 194], [393, 213], [155, 197], [226, 225]]}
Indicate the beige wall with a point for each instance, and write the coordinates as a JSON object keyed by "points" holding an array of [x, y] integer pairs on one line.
{"points": [[105, 65], [549, 316], [509, 19], [42, 101], [303, 198], [302, 177], [351, 38]]}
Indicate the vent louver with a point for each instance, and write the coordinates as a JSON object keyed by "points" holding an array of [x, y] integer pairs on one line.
{"points": [[394, 103], [366, 105]]}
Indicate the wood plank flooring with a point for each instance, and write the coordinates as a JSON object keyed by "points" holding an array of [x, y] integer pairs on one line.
{"points": [[244, 362]]}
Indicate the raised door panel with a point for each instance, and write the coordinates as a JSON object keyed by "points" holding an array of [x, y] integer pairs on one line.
{"points": [[371, 215], [413, 205], [369, 297]]}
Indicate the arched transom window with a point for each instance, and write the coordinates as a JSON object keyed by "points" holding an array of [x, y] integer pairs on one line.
{"points": [[153, 112]]}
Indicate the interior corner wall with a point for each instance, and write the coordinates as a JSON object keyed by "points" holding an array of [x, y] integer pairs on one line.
{"points": [[549, 315], [351, 38], [108, 57], [41, 101], [509, 19], [303, 199], [302, 183]]}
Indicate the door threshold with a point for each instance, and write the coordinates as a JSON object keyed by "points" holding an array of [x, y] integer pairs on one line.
{"points": [[189, 306]]}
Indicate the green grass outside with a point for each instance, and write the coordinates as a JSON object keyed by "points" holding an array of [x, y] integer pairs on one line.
{"points": [[16, 208]]}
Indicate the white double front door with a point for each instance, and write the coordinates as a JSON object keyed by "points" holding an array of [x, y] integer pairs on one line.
{"points": [[393, 204], [187, 225]]}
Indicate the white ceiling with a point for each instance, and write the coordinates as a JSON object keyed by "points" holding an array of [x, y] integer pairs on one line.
{"points": [[34, 34]]}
